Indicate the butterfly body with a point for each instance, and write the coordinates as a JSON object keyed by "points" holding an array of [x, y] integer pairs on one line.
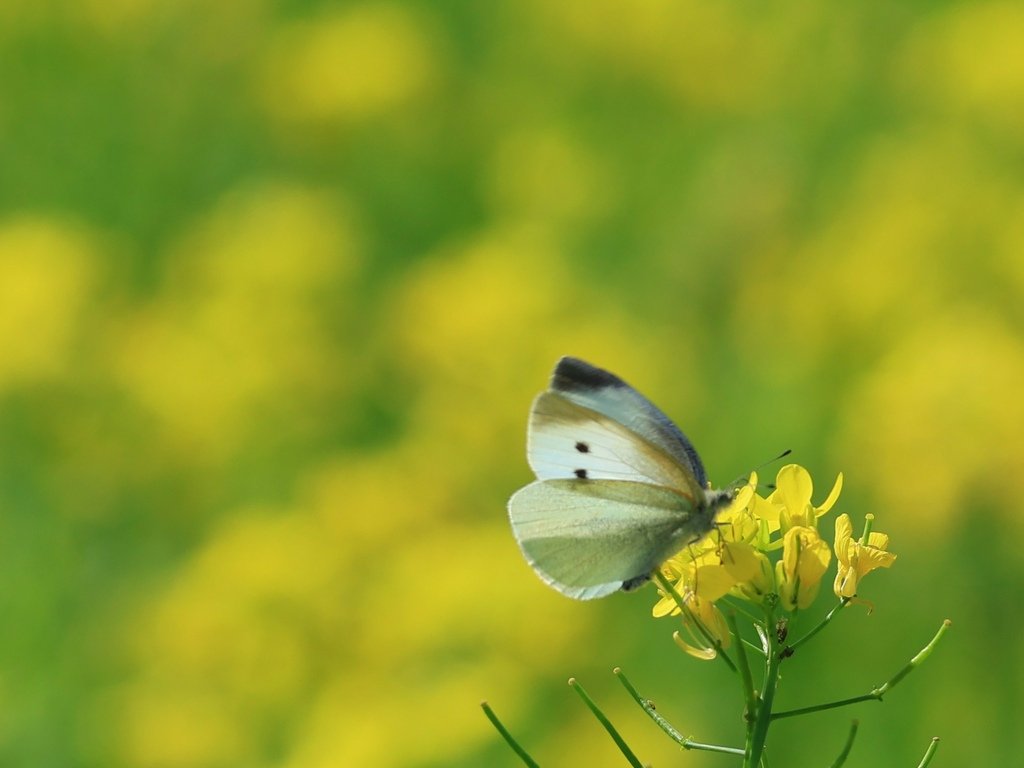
{"points": [[619, 487]]}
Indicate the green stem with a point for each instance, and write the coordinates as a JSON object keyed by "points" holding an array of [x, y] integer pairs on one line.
{"points": [[509, 739], [748, 681], [875, 694], [917, 661], [929, 753], [758, 734], [821, 625], [694, 621], [619, 741], [648, 706], [763, 717], [846, 747], [738, 606]]}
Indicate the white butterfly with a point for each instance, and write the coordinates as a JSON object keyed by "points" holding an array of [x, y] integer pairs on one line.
{"points": [[619, 488]]}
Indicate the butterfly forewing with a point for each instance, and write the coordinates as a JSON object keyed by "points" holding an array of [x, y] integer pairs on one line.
{"points": [[599, 390], [566, 440]]}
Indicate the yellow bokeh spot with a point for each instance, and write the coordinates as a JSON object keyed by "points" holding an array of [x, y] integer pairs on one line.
{"points": [[235, 639], [481, 323], [46, 273], [266, 618], [364, 510], [937, 424], [241, 322], [234, 617], [352, 722], [970, 59], [544, 175], [170, 728], [871, 270], [352, 65], [1010, 245], [705, 54], [474, 303]]}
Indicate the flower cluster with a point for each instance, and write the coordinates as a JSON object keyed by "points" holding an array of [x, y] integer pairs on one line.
{"points": [[767, 551]]}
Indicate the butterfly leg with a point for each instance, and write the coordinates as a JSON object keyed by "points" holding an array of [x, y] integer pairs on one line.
{"points": [[637, 581]]}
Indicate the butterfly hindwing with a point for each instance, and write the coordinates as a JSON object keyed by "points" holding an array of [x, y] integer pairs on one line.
{"points": [[587, 538]]}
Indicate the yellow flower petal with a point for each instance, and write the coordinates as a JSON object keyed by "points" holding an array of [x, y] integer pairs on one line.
{"points": [[764, 509], [844, 533], [793, 491], [697, 652], [878, 540], [664, 607], [805, 558], [740, 560], [761, 583], [794, 487], [832, 496], [869, 559], [845, 584], [713, 581]]}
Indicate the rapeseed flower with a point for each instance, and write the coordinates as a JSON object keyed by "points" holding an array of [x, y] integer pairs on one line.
{"points": [[858, 558], [764, 550]]}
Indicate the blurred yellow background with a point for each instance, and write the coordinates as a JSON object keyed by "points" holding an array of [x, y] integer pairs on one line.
{"points": [[279, 279]]}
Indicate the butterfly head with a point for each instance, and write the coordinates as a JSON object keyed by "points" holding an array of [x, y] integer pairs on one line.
{"points": [[719, 499]]}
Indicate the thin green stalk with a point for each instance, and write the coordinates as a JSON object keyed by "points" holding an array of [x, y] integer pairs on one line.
{"points": [[690, 744], [716, 644], [509, 739], [918, 660], [739, 606], [753, 646], [668, 728], [749, 696], [875, 694], [847, 746], [619, 741], [929, 753], [821, 625]]}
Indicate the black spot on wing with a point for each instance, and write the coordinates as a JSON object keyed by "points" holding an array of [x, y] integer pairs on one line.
{"points": [[583, 447], [581, 474], [572, 374]]}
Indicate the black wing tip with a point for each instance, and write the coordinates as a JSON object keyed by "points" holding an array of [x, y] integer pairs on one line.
{"points": [[572, 374]]}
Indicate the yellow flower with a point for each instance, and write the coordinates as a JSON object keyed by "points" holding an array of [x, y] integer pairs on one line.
{"points": [[856, 559], [699, 581], [737, 521], [737, 560], [805, 558], [708, 575], [702, 621], [760, 583], [792, 498]]}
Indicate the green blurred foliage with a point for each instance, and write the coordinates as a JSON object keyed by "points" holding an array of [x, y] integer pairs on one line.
{"points": [[278, 281]]}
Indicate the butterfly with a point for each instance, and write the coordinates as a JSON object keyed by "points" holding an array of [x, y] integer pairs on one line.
{"points": [[619, 487]]}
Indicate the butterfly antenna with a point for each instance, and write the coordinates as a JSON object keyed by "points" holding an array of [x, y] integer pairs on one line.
{"points": [[742, 479]]}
